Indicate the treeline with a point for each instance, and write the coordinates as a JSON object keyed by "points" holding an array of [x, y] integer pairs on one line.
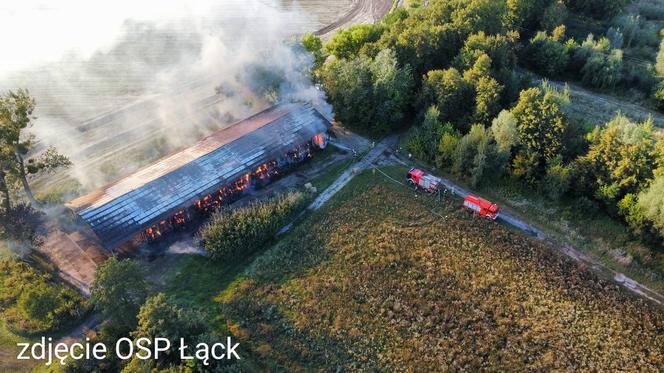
{"points": [[451, 65], [233, 233]]}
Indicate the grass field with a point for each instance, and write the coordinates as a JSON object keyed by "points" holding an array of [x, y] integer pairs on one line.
{"points": [[375, 281]]}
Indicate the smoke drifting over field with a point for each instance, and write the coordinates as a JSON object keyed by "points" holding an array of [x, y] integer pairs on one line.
{"points": [[121, 83]]}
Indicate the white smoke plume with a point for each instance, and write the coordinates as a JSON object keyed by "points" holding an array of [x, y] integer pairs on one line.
{"points": [[121, 83]]}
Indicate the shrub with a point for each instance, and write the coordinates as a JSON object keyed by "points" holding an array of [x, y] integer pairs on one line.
{"points": [[557, 179], [658, 97], [603, 70], [547, 53], [32, 302], [235, 233]]}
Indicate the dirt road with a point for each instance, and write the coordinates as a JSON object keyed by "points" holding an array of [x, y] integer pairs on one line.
{"points": [[362, 11], [347, 175], [600, 108]]}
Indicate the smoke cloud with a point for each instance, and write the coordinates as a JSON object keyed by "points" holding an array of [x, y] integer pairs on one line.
{"points": [[119, 84]]}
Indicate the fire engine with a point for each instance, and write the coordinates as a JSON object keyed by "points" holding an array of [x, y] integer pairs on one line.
{"points": [[481, 207], [422, 180]]}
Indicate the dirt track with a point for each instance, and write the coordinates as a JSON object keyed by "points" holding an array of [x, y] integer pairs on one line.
{"points": [[362, 11]]}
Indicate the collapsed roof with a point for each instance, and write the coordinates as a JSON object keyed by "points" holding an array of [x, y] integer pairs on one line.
{"points": [[119, 211]]}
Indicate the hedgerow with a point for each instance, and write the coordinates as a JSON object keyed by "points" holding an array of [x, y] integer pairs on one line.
{"points": [[236, 232]]}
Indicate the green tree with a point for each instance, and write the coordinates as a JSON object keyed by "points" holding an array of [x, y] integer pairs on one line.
{"points": [[428, 134], [447, 145], [346, 43], [525, 14], [602, 70], [392, 89], [629, 209], [6, 164], [501, 49], [541, 124], [369, 95], [314, 45], [557, 179], [475, 154], [628, 25], [348, 84], [601, 9], [118, 291], [547, 53], [426, 40], [505, 131], [660, 59], [621, 158], [487, 99], [448, 90], [480, 16], [651, 204], [161, 317], [658, 96], [554, 15], [16, 116]]}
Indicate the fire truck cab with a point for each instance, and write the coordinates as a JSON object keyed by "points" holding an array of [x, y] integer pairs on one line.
{"points": [[481, 207], [422, 180]]}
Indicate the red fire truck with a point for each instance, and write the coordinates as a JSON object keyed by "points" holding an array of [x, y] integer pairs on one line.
{"points": [[481, 207], [420, 179]]}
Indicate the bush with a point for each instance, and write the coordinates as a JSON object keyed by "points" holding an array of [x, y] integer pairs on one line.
{"points": [[235, 233], [32, 302], [548, 54], [557, 179], [602, 70], [658, 96]]}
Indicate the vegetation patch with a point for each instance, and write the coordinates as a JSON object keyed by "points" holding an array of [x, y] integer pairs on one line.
{"points": [[375, 281], [35, 303], [236, 232]]}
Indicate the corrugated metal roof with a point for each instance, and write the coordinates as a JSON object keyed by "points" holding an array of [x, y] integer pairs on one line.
{"points": [[126, 207]]}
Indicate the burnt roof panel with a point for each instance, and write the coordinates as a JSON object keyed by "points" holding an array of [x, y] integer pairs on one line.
{"points": [[124, 208]]}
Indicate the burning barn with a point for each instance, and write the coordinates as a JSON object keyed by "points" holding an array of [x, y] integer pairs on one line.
{"points": [[195, 181]]}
